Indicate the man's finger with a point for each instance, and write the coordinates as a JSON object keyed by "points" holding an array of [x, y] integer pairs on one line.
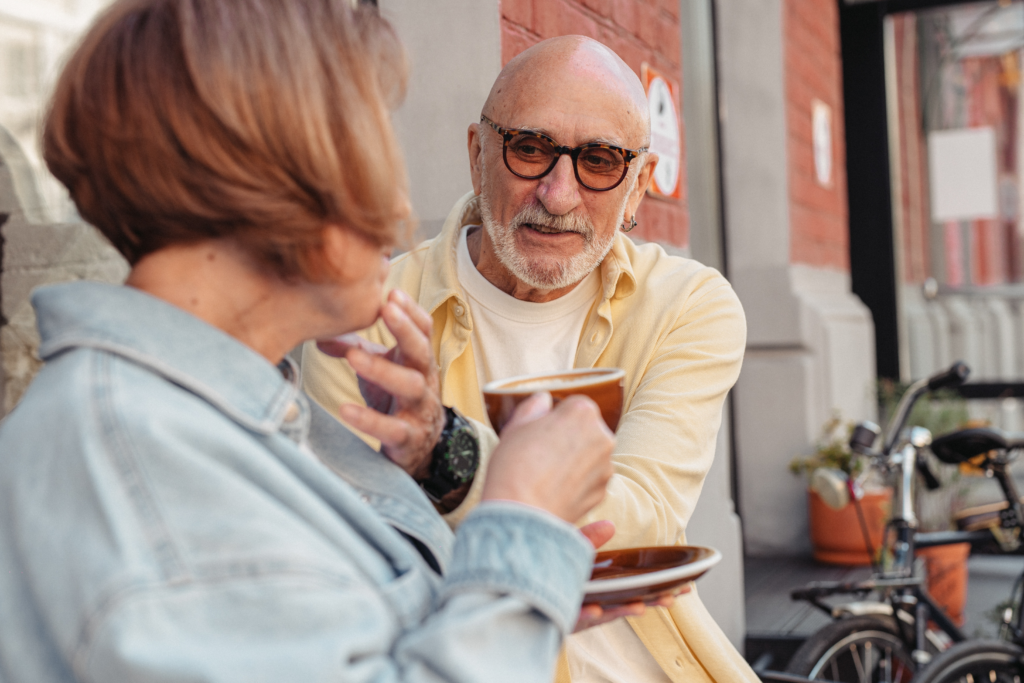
{"points": [[405, 384]]}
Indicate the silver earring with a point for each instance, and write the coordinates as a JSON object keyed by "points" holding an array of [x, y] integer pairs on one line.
{"points": [[632, 224]]}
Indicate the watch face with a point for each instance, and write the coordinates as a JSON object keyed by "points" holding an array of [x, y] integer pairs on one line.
{"points": [[462, 455]]}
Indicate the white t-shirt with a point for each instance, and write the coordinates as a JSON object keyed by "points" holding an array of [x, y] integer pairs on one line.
{"points": [[513, 337]]}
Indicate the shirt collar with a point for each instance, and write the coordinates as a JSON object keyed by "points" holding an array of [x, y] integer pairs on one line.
{"points": [[177, 345], [440, 276]]}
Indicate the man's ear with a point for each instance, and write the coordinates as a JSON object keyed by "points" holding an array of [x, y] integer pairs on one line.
{"points": [[476, 151], [643, 180]]}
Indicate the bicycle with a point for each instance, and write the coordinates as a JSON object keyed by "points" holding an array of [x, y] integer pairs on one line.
{"points": [[988, 661], [891, 637]]}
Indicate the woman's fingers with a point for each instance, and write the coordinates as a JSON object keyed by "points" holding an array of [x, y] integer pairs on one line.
{"points": [[533, 408], [339, 346], [411, 341], [400, 441], [405, 384], [419, 316]]}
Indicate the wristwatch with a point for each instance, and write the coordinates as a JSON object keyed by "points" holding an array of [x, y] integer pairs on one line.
{"points": [[455, 458]]}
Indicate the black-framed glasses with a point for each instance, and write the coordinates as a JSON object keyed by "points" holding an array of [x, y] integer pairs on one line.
{"points": [[531, 155]]}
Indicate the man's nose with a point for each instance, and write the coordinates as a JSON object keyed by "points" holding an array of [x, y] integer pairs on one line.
{"points": [[558, 191]]}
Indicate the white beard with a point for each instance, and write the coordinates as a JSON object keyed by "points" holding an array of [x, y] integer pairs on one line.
{"points": [[539, 274]]}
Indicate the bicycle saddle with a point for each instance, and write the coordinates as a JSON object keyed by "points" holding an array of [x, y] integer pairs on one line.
{"points": [[961, 446]]}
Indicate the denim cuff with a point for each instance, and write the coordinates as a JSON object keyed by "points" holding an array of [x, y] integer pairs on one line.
{"points": [[507, 547]]}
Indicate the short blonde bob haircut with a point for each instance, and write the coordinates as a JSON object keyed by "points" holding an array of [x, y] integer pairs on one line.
{"points": [[258, 121]]}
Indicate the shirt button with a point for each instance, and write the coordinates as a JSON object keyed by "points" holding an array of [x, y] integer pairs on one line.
{"points": [[292, 412], [365, 498], [459, 311]]}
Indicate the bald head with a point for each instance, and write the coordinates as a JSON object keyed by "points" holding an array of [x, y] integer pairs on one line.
{"points": [[577, 76]]}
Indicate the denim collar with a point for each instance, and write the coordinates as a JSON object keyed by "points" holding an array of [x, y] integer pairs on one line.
{"points": [[170, 342]]}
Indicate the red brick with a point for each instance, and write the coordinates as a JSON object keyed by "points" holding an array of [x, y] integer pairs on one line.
{"points": [[670, 7], [518, 12], [669, 39], [631, 52], [647, 24], [624, 14], [513, 41], [602, 8], [560, 18]]}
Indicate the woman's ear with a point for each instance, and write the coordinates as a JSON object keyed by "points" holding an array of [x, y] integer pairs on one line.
{"points": [[334, 260]]}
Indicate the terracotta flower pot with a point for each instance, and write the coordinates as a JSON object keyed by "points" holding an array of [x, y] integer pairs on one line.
{"points": [[836, 535], [947, 577]]}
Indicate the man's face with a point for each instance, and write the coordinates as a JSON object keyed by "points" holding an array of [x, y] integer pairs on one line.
{"points": [[552, 232]]}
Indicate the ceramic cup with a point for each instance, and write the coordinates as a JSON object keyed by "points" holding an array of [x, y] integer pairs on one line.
{"points": [[603, 385]]}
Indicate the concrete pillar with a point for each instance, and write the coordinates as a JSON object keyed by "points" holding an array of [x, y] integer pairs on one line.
{"points": [[34, 254], [454, 52], [810, 345]]}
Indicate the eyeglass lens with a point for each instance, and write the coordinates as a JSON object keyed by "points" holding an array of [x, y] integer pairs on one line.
{"points": [[533, 156]]}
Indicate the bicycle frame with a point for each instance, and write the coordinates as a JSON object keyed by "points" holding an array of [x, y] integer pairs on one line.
{"points": [[903, 594]]}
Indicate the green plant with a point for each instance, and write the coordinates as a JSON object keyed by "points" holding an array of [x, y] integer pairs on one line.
{"points": [[832, 450], [939, 412]]}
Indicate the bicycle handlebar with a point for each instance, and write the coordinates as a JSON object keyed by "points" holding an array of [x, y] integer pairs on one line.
{"points": [[953, 377]]}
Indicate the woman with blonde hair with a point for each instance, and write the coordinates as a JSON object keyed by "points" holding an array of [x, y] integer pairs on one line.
{"points": [[172, 508]]}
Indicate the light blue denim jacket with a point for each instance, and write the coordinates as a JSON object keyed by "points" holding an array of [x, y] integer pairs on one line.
{"points": [[163, 517]]}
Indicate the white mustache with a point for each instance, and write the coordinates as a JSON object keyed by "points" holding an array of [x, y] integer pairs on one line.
{"points": [[537, 215]]}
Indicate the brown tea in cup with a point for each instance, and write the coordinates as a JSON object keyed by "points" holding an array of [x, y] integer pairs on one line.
{"points": [[602, 385]]}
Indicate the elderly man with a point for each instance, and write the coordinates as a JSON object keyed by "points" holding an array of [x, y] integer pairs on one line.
{"points": [[532, 273]]}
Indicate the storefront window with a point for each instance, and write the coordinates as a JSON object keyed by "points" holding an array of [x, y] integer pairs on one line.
{"points": [[953, 94], [35, 38]]}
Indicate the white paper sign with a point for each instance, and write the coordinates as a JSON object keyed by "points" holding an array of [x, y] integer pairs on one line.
{"points": [[821, 136], [962, 171], [664, 136]]}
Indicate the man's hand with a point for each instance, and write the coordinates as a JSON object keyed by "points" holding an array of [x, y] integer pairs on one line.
{"points": [[599, 533], [401, 386]]}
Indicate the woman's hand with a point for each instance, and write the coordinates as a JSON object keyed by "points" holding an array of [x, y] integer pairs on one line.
{"points": [[599, 533], [557, 460], [401, 386]]}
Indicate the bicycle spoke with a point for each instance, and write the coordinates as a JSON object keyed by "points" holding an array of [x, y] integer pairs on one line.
{"points": [[861, 674]]}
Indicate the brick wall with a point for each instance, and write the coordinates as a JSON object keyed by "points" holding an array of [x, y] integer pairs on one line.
{"points": [[639, 31], [818, 215], [910, 177]]}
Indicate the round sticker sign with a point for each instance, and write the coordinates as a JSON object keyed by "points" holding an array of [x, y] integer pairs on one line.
{"points": [[664, 136]]}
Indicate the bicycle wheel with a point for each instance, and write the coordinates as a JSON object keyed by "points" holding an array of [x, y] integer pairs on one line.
{"points": [[865, 649], [975, 661]]}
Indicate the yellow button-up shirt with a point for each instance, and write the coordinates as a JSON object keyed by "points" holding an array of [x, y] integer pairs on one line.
{"points": [[677, 328]]}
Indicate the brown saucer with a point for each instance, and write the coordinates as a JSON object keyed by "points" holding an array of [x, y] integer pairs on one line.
{"points": [[645, 574]]}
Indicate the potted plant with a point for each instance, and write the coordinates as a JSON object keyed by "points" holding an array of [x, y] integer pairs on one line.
{"points": [[842, 532]]}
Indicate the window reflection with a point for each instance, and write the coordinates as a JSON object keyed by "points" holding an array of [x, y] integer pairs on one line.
{"points": [[35, 37]]}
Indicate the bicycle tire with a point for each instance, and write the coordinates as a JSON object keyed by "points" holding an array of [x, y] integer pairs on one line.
{"points": [[975, 661], [855, 650]]}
